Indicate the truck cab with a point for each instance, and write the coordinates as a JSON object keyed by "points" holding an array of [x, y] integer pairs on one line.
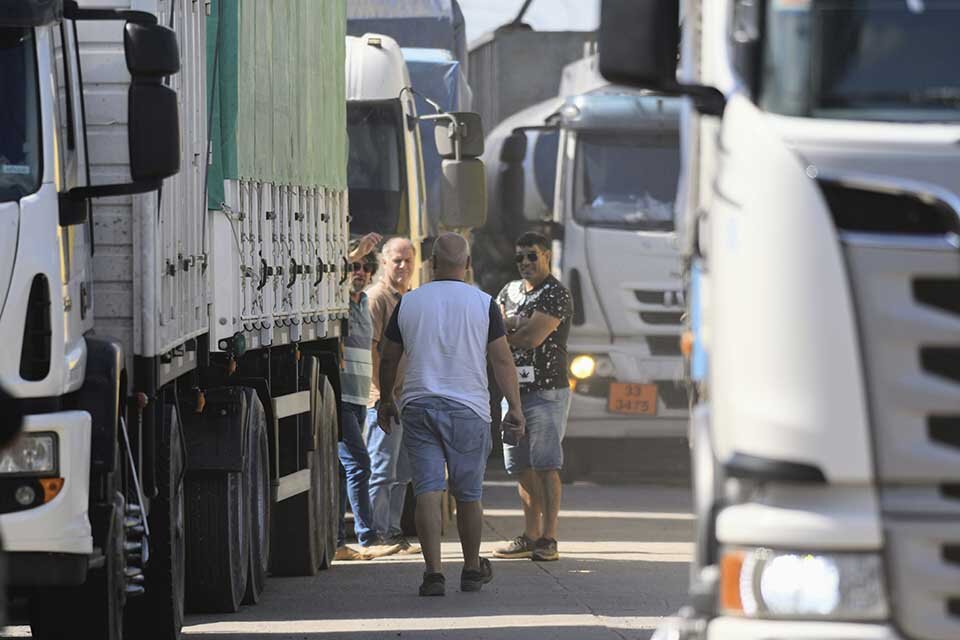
{"points": [[618, 165], [822, 204], [385, 170]]}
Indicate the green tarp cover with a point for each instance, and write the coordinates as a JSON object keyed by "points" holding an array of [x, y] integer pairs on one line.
{"points": [[275, 88]]}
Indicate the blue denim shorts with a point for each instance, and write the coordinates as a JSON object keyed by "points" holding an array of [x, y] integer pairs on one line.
{"points": [[440, 433], [541, 449]]}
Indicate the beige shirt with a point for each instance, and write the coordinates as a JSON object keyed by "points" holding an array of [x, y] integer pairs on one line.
{"points": [[382, 299]]}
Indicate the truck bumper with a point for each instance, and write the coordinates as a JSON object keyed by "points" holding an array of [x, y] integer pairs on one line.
{"points": [[589, 416], [61, 526], [739, 629]]}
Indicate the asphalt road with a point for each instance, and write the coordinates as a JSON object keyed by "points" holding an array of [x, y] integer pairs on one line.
{"points": [[624, 549]]}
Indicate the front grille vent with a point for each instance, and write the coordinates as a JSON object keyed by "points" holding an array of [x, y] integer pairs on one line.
{"points": [[942, 361], [664, 345], [941, 293], [662, 317], [945, 430], [35, 354], [867, 211]]}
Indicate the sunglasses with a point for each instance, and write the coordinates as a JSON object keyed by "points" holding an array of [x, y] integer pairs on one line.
{"points": [[532, 256], [357, 267]]}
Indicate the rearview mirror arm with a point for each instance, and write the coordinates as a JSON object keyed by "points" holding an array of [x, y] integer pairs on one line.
{"points": [[73, 11]]}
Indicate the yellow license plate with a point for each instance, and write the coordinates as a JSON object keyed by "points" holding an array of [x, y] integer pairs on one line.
{"points": [[632, 399]]}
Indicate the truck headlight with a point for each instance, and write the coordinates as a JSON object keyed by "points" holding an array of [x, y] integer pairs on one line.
{"points": [[31, 454], [800, 584], [588, 365]]}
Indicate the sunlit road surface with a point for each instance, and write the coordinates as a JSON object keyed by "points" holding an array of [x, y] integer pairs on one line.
{"points": [[624, 560], [624, 554]]}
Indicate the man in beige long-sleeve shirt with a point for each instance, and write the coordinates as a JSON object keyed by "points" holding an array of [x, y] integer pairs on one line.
{"points": [[389, 467]]}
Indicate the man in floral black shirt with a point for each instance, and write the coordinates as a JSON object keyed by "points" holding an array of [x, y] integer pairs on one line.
{"points": [[538, 309]]}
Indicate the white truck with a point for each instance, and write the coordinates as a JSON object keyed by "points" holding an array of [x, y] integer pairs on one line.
{"points": [[386, 171], [822, 202], [598, 172], [172, 300]]}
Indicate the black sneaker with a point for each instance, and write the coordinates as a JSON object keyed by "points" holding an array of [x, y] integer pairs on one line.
{"points": [[434, 584], [545, 549], [474, 579], [519, 547]]}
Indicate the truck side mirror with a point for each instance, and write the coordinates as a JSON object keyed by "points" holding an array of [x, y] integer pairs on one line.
{"points": [[464, 193], [639, 42], [470, 129], [154, 120], [511, 179], [150, 50], [514, 148], [154, 131], [639, 46]]}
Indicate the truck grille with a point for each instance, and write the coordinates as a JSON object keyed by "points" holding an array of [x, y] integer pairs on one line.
{"points": [[905, 277]]}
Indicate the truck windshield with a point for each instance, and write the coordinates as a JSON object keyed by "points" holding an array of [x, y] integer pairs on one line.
{"points": [[627, 181], [889, 60], [19, 115], [375, 175]]}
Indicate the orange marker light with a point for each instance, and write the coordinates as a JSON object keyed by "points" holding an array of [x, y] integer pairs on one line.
{"points": [[731, 564], [51, 487], [686, 343]]}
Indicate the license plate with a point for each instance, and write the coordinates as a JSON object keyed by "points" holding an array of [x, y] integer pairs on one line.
{"points": [[632, 399]]}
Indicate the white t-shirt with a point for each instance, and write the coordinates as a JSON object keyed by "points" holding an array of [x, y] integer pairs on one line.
{"points": [[444, 327]]}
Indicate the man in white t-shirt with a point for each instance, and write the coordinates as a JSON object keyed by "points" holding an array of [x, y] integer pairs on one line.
{"points": [[448, 331]]}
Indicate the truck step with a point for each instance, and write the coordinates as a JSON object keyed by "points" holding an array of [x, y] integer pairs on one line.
{"points": [[291, 485], [291, 404]]}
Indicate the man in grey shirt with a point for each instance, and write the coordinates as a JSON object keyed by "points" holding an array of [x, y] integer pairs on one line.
{"points": [[448, 331]]}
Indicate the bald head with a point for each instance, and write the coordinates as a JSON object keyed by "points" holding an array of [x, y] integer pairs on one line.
{"points": [[451, 255]]}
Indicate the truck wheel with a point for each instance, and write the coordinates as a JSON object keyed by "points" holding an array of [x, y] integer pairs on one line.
{"points": [[575, 463], [96, 607], [218, 544], [326, 480], [158, 613], [258, 498]]}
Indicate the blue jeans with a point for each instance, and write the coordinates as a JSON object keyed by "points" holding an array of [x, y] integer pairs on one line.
{"points": [[443, 435], [389, 476], [540, 448], [355, 476]]}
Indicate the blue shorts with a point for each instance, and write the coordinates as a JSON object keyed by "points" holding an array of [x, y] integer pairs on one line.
{"points": [[440, 433], [540, 448]]}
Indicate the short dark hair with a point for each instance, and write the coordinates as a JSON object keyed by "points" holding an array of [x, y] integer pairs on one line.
{"points": [[533, 239]]}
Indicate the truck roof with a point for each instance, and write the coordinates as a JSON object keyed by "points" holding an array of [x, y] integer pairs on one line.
{"points": [[426, 24], [375, 66], [620, 109]]}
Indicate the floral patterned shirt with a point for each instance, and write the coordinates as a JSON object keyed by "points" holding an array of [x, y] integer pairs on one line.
{"points": [[544, 367]]}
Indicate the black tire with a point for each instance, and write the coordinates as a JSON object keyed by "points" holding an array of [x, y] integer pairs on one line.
{"points": [[575, 463], [325, 476], [96, 607], [258, 498], [218, 545], [158, 613]]}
